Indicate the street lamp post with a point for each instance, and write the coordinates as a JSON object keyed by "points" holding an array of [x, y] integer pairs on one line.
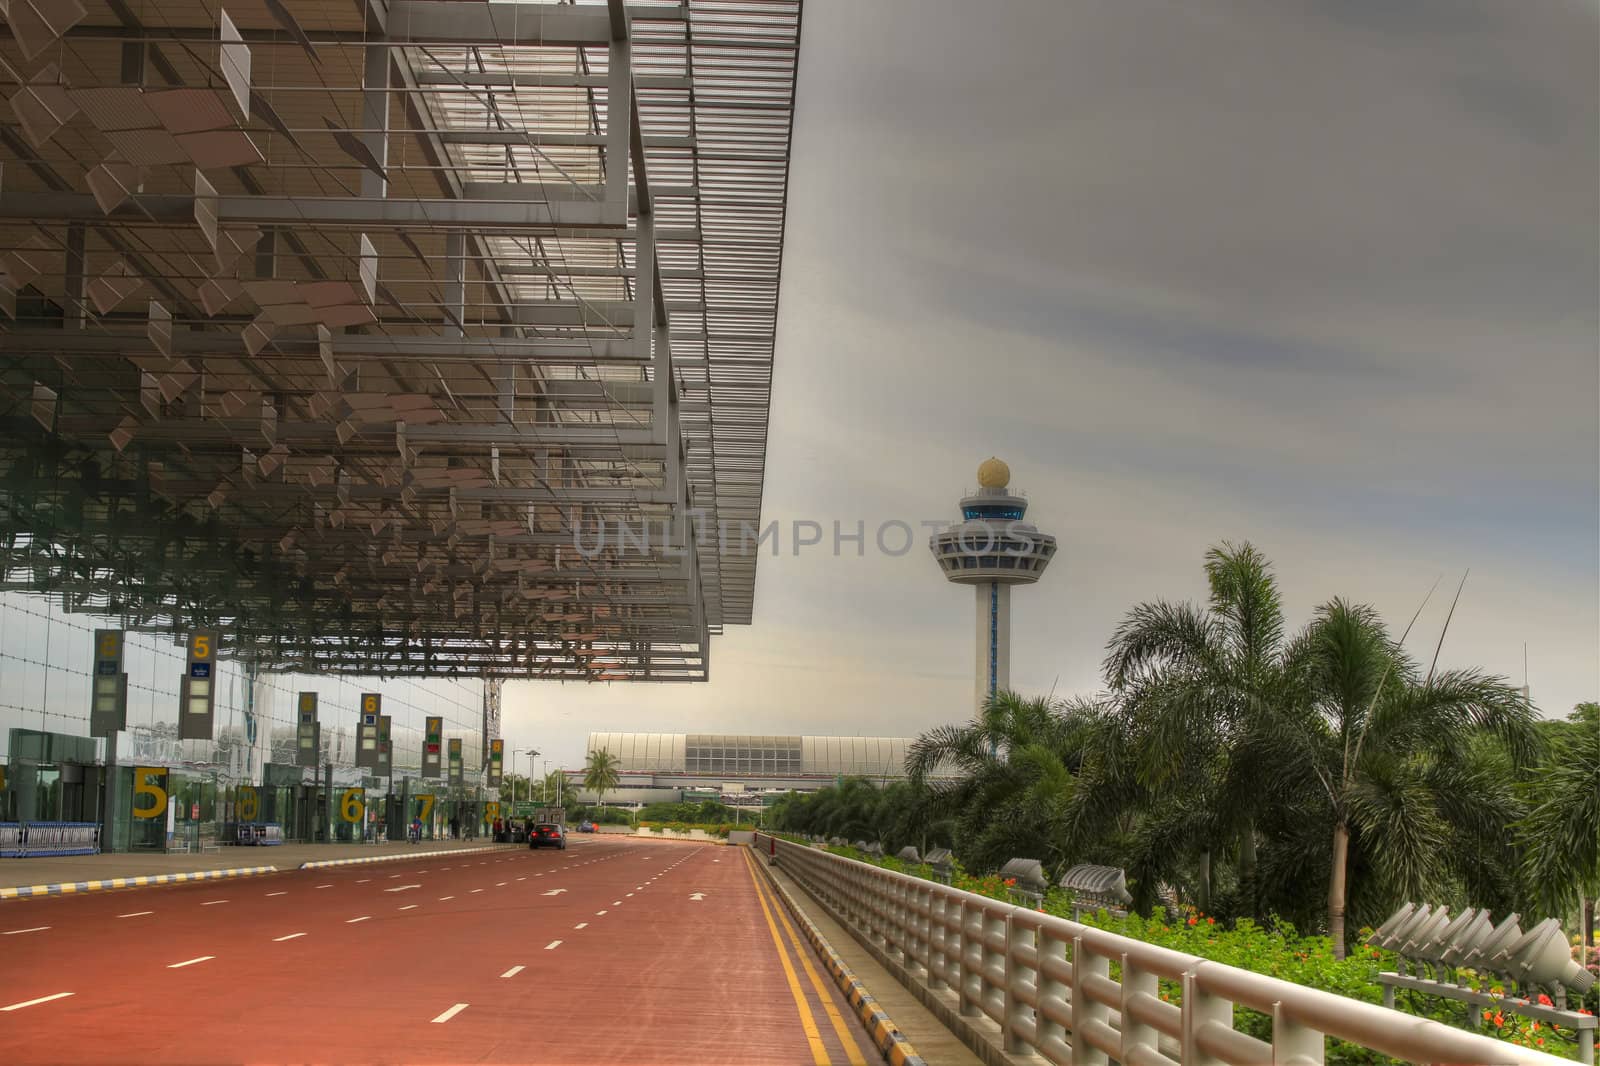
{"points": [[532, 753]]}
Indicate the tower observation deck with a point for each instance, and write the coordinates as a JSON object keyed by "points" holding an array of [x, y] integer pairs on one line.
{"points": [[992, 549]]}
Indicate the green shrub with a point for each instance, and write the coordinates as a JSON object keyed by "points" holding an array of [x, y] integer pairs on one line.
{"points": [[1278, 950]]}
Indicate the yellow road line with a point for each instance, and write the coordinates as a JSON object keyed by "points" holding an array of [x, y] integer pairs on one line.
{"points": [[803, 954], [819, 1051]]}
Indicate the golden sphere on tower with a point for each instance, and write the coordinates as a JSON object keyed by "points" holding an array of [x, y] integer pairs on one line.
{"points": [[994, 474]]}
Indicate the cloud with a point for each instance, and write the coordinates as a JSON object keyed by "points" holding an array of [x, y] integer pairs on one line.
{"points": [[1318, 274]]}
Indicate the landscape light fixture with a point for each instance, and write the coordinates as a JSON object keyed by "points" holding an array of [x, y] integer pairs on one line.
{"points": [[1504, 959], [942, 863], [1433, 949], [1423, 932], [1031, 880], [1542, 957], [1506, 933], [1098, 886], [1467, 939], [1381, 936], [1397, 937]]}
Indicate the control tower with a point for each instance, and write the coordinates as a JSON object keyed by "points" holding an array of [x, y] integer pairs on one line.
{"points": [[991, 549]]}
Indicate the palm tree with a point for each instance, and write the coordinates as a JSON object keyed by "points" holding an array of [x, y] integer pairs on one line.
{"points": [[1562, 829], [1204, 688], [551, 786], [1408, 770], [600, 775], [1033, 777]]}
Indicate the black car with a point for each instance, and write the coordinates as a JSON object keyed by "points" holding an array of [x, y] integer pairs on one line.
{"points": [[548, 834]]}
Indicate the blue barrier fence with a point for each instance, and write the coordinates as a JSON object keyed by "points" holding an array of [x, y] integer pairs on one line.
{"points": [[20, 839]]}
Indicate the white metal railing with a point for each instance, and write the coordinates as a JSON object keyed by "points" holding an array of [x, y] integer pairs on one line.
{"points": [[1046, 982]]}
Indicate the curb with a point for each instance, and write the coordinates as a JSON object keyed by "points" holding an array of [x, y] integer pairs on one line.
{"points": [[319, 864], [74, 887], [896, 1049]]}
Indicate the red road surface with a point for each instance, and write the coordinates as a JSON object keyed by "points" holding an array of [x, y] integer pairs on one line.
{"points": [[597, 954]]}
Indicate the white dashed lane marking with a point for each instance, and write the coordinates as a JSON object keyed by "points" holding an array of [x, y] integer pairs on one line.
{"points": [[581, 925], [552, 945], [353, 921], [15, 932], [512, 972], [36, 1002], [281, 939], [212, 902], [135, 914], [451, 1013], [190, 962], [409, 907]]}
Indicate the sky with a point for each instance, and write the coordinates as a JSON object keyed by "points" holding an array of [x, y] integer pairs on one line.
{"points": [[1317, 274]]}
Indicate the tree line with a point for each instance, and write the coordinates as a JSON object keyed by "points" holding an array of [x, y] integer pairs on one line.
{"points": [[1323, 776]]}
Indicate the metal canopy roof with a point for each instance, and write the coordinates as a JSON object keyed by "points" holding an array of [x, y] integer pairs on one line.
{"points": [[342, 325]]}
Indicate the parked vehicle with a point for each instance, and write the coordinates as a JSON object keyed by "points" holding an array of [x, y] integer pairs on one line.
{"points": [[586, 827]]}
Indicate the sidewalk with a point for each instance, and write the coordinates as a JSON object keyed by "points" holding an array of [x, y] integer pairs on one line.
{"points": [[933, 1040], [68, 869]]}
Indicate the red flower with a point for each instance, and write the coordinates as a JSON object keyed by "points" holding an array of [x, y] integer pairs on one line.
{"points": [[1011, 882], [1544, 1000], [1193, 919], [1211, 921]]}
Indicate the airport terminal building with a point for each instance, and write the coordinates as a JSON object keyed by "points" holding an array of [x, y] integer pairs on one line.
{"points": [[653, 766]]}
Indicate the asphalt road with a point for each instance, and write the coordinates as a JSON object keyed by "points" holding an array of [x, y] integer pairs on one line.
{"points": [[598, 954]]}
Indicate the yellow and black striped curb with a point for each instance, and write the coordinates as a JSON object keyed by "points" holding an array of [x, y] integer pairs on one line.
{"points": [[72, 888], [896, 1049], [323, 863]]}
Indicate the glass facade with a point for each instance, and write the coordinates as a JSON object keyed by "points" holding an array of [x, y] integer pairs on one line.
{"points": [[732, 756], [52, 770], [722, 755]]}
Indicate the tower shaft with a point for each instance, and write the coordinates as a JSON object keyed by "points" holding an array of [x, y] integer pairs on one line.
{"points": [[993, 639]]}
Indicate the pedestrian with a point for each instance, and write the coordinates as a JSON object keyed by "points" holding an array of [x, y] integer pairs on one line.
{"points": [[416, 830], [455, 827]]}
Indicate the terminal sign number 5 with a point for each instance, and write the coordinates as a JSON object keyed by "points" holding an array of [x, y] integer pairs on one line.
{"points": [[202, 646]]}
